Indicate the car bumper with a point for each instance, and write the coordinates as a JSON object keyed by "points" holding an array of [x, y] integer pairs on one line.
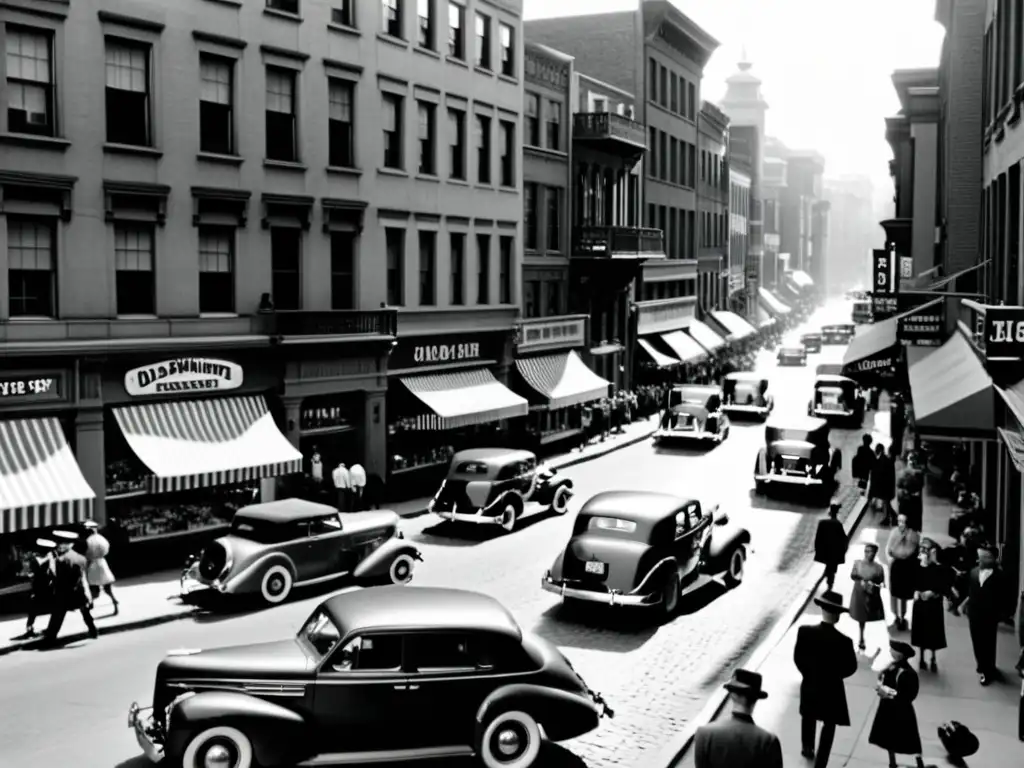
{"points": [[788, 479], [792, 361], [671, 434], [824, 413], [465, 517], [607, 598], [140, 720], [760, 410]]}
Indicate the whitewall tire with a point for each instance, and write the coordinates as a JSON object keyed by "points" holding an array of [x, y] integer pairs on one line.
{"points": [[276, 584], [218, 746], [401, 569], [734, 570], [511, 740], [509, 517], [560, 501]]}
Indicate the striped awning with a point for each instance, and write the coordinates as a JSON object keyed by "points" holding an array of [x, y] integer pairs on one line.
{"points": [[201, 443], [562, 379], [41, 485], [772, 303], [764, 320], [463, 398], [733, 324], [685, 348], [802, 279], [657, 357], [704, 336]]}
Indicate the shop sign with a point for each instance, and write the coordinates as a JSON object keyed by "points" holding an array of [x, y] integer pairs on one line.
{"points": [[870, 364], [183, 374], [1004, 333], [883, 307], [906, 267], [923, 330], [446, 350], [886, 278], [31, 387]]}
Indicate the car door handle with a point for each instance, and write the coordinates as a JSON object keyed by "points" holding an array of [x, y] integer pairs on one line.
{"points": [[412, 688], [401, 687]]}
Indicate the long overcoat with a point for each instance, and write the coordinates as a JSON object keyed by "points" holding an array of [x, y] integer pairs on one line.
{"points": [[71, 592], [736, 742], [895, 726], [825, 658]]}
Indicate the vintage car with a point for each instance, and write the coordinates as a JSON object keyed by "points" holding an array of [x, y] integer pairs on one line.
{"points": [[842, 333], [797, 452], [812, 342], [792, 354], [497, 486], [645, 549], [746, 393], [693, 412], [386, 674], [862, 313], [836, 397], [273, 547]]}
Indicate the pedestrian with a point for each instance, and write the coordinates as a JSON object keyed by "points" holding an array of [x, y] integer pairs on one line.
{"points": [[985, 605], [70, 588], [316, 466], [897, 421], [342, 485], [357, 480], [868, 578], [830, 544], [373, 496], [927, 620], [41, 597], [883, 484], [586, 426], [738, 742], [863, 463], [97, 569], [901, 550], [894, 728], [825, 658]]}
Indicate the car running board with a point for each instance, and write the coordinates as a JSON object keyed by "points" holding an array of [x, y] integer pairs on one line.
{"points": [[700, 582], [386, 756]]}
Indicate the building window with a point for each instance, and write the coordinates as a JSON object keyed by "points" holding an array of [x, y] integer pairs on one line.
{"points": [[508, 154], [458, 267], [691, 167], [427, 138], [663, 86], [554, 215], [505, 246], [673, 162], [281, 137], [340, 134], [456, 31], [652, 80], [673, 93], [32, 267], [554, 298], [663, 156], [508, 54], [343, 270], [392, 131], [531, 290], [457, 144], [127, 93], [531, 110], [554, 125], [30, 105], [425, 24], [483, 149], [343, 13], [287, 6], [483, 41], [691, 100], [216, 127], [392, 18], [395, 246], [530, 215], [217, 270], [652, 152], [428, 269], [483, 269], [133, 269], [286, 267]]}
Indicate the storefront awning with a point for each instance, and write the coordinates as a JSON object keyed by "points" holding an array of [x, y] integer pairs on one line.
{"points": [[764, 320], [41, 485], [202, 443], [1013, 398], [660, 359], [704, 336], [801, 278], [685, 348], [772, 303], [562, 379], [735, 326], [464, 398], [1014, 446], [872, 348], [952, 393]]}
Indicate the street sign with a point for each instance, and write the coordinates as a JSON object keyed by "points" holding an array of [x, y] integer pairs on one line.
{"points": [[1004, 333], [906, 267]]}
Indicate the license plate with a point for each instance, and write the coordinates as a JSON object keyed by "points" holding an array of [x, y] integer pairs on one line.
{"points": [[595, 567]]}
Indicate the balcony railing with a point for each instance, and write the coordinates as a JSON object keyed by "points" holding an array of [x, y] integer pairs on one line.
{"points": [[619, 242], [560, 332], [342, 322], [609, 127]]}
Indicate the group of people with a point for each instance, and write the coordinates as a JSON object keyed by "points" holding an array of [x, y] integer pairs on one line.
{"points": [[350, 489]]}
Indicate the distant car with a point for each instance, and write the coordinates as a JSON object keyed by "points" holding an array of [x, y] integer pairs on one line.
{"points": [[497, 486], [273, 547], [376, 675], [645, 549], [792, 354], [811, 342], [842, 333], [746, 393], [797, 452], [862, 313], [693, 412], [837, 397]]}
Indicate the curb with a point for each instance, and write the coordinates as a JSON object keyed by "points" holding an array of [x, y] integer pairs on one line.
{"points": [[677, 747]]}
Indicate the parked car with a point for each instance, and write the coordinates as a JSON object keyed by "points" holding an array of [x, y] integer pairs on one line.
{"points": [[693, 412], [811, 342], [792, 354], [645, 549], [837, 398], [842, 333], [386, 674], [797, 452], [497, 486], [746, 393], [862, 313], [274, 547]]}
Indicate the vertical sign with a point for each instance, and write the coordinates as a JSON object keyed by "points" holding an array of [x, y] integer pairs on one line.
{"points": [[885, 284], [906, 267], [1004, 334]]}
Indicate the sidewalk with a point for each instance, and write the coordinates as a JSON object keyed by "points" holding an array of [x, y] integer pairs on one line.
{"points": [[153, 598]]}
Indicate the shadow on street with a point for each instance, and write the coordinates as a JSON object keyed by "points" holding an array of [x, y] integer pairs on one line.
{"points": [[453, 534]]}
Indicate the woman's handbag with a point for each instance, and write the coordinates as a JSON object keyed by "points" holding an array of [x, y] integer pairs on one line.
{"points": [[957, 739]]}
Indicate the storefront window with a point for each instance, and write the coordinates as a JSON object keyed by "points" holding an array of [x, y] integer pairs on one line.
{"points": [[172, 514]]}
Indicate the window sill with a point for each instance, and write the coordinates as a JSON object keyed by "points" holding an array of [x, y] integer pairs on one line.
{"points": [[283, 15], [456, 61], [484, 185], [427, 52], [395, 41], [557, 153], [428, 177], [509, 78], [342, 170], [483, 70], [31, 319], [152, 316], [285, 165], [508, 190], [392, 172], [216, 157], [343, 29], [217, 315], [459, 182], [33, 140], [232, 3], [131, 149]]}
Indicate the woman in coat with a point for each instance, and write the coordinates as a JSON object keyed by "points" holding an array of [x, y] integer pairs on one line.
{"points": [[928, 624], [883, 483], [868, 578], [894, 728], [830, 544], [97, 570], [901, 550]]}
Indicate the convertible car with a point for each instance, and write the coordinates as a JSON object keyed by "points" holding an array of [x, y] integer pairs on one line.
{"points": [[693, 412], [497, 486], [273, 547], [836, 398], [646, 549], [797, 452], [812, 342], [746, 393], [842, 333], [792, 354], [376, 675]]}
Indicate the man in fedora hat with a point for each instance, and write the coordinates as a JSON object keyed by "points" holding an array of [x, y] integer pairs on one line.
{"points": [[825, 658], [987, 604], [71, 589], [737, 742], [41, 598]]}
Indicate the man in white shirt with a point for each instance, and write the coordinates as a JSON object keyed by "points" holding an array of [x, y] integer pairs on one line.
{"points": [[357, 481], [343, 484], [316, 466]]}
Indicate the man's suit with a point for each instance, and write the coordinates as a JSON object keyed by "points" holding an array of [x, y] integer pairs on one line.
{"points": [[71, 593], [986, 606], [736, 742], [825, 658]]}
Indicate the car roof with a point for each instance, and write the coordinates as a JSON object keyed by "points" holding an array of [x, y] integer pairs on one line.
{"points": [[492, 455], [286, 511], [638, 506], [796, 423], [831, 378], [793, 345], [419, 608]]}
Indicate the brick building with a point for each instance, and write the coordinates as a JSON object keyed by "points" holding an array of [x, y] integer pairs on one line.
{"points": [[713, 207]]}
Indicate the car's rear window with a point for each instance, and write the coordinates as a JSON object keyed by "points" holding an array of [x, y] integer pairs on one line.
{"points": [[611, 524], [261, 531], [471, 468]]}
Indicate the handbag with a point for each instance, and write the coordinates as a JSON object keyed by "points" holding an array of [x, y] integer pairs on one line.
{"points": [[957, 739]]}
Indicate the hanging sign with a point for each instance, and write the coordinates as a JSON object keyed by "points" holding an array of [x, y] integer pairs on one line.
{"points": [[183, 374], [923, 329], [1004, 333], [31, 387]]}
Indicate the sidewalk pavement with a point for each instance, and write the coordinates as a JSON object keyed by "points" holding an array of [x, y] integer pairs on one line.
{"points": [[153, 599]]}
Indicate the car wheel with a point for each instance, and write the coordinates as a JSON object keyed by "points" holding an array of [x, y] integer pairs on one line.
{"points": [[560, 501], [511, 740], [401, 569], [734, 570], [218, 746], [670, 596], [759, 488], [509, 516], [276, 584]]}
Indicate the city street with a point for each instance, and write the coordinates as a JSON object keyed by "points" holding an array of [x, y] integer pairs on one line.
{"points": [[67, 707]]}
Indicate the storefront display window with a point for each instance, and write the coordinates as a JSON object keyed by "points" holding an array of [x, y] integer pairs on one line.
{"points": [[419, 442], [16, 555], [174, 514], [546, 426]]}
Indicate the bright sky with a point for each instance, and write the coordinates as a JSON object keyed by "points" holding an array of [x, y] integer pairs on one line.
{"points": [[826, 64]]}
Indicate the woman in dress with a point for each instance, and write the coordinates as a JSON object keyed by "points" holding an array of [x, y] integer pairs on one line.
{"points": [[901, 550], [868, 579], [97, 570], [928, 627], [894, 728]]}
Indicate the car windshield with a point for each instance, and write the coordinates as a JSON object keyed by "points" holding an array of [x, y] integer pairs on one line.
{"points": [[319, 633], [261, 531], [615, 524]]}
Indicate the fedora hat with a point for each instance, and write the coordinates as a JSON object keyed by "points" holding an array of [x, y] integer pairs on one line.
{"points": [[64, 537], [831, 601], [90, 525], [746, 683], [45, 545]]}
